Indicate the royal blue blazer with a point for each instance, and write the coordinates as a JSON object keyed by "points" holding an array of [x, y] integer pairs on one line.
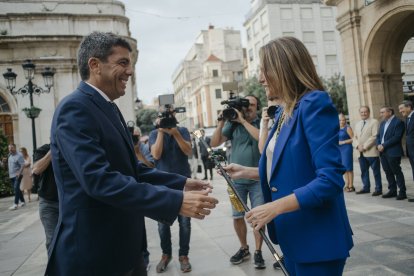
{"points": [[307, 162], [104, 192]]}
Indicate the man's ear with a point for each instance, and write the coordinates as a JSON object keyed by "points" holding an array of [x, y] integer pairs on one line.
{"points": [[94, 66]]}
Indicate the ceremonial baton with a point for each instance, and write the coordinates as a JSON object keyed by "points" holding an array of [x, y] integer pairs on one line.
{"points": [[216, 159]]}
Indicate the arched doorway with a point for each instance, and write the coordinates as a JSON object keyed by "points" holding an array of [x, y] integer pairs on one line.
{"points": [[6, 121], [382, 58]]}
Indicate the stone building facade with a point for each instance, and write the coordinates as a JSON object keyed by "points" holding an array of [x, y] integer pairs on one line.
{"points": [[373, 35], [215, 58], [49, 33], [308, 20]]}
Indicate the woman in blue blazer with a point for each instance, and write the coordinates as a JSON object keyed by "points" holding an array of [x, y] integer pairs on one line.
{"points": [[300, 169]]}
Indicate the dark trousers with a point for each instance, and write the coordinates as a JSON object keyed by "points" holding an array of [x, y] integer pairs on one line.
{"points": [[374, 163], [392, 169], [185, 233], [139, 268], [411, 158], [18, 195], [207, 166], [329, 268]]}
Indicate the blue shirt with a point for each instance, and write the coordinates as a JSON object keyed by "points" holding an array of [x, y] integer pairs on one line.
{"points": [[15, 162], [144, 149], [173, 159]]}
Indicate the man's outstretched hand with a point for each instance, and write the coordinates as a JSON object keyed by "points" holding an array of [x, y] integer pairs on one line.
{"points": [[197, 204], [196, 185]]}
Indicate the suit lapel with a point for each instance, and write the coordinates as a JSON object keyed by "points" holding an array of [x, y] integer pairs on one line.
{"points": [[108, 110], [282, 139]]}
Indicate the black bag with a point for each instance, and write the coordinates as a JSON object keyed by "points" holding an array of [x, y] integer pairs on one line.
{"points": [[199, 170]]}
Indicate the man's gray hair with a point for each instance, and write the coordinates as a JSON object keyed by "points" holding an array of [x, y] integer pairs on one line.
{"points": [[98, 45]]}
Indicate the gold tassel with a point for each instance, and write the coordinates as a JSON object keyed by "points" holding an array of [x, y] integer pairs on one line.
{"points": [[234, 200]]}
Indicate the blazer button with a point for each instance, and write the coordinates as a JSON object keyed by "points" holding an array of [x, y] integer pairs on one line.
{"points": [[274, 189]]}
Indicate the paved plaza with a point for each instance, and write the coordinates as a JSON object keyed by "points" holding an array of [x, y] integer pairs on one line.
{"points": [[383, 237]]}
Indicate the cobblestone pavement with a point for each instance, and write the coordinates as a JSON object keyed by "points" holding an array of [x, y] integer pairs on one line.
{"points": [[383, 237]]}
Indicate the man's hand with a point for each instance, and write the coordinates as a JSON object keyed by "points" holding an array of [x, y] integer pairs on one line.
{"points": [[380, 148], [170, 131], [235, 171], [360, 148], [196, 185], [240, 118], [197, 204]]}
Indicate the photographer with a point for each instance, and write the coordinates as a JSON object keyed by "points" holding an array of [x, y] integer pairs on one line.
{"points": [[170, 148], [243, 131]]}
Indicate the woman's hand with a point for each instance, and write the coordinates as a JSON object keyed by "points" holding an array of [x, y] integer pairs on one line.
{"points": [[261, 215], [235, 171]]}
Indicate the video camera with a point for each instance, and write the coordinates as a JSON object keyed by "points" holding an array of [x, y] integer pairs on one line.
{"points": [[233, 102], [168, 119]]}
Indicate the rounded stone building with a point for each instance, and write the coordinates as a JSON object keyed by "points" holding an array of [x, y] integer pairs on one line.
{"points": [[49, 33]]}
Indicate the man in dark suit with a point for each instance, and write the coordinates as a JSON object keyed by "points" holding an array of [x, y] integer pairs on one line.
{"points": [[389, 145], [104, 192], [406, 109]]}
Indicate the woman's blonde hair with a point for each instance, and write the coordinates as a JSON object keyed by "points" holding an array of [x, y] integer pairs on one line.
{"points": [[24, 152], [289, 70]]}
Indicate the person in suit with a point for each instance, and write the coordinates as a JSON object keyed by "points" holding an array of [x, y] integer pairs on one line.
{"points": [[389, 145], [365, 138], [301, 175], [406, 110], [208, 165], [104, 192]]}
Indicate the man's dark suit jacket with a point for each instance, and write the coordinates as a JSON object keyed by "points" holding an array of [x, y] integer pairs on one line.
{"points": [[104, 193], [392, 139], [410, 137]]}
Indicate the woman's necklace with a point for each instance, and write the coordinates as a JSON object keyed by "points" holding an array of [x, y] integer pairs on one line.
{"points": [[280, 123]]}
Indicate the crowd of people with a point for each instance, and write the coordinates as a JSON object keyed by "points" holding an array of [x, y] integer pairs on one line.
{"points": [[97, 180], [378, 144]]}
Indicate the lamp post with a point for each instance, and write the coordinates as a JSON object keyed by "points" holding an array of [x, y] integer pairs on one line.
{"points": [[30, 88]]}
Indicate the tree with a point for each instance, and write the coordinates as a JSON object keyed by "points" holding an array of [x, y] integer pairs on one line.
{"points": [[5, 185], [335, 86], [145, 119], [253, 87]]}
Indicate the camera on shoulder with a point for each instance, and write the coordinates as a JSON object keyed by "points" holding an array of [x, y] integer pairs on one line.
{"points": [[234, 102], [167, 118]]}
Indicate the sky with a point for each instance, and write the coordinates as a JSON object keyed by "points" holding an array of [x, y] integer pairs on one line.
{"points": [[166, 30]]}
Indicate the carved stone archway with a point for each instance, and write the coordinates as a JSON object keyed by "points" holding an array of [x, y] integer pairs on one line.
{"points": [[373, 38]]}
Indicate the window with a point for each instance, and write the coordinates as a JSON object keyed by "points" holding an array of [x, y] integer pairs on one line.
{"points": [[330, 59], [263, 19], [251, 55], [306, 13], [326, 12], [308, 37], [249, 33], [215, 73], [256, 26], [286, 13], [328, 36], [218, 93], [257, 48]]}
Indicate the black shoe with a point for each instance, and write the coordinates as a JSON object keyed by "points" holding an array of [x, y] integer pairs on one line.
{"points": [[259, 263], [205, 178], [411, 200], [240, 256], [362, 192], [401, 196], [376, 193], [389, 194], [276, 265]]}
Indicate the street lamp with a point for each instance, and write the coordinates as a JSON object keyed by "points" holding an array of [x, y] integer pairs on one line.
{"points": [[30, 88]]}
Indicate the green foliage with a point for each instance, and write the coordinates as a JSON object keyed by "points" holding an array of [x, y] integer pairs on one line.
{"points": [[335, 86], [253, 87], [145, 119], [5, 185]]}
